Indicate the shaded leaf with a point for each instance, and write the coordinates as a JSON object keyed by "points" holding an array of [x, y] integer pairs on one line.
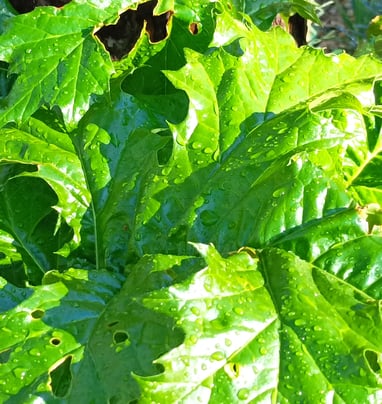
{"points": [[51, 151], [51, 322], [83, 334]]}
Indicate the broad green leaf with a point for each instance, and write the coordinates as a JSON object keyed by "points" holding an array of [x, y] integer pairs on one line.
{"points": [[52, 153], [315, 239], [267, 326], [81, 335], [357, 262], [42, 326], [221, 134], [57, 58], [247, 162]]}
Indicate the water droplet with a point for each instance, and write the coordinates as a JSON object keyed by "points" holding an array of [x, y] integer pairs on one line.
{"points": [[196, 145], [178, 180], [238, 310], [243, 394], [217, 356], [195, 311], [193, 339], [186, 361], [166, 171], [207, 286], [278, 192], [263, 350], [299, 322], [35, 352], [20, 373], [228, 342]]}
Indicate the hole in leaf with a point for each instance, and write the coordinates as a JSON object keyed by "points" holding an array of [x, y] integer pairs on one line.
{"points": [[373, 360], [38, 313], [120, 38], [55, 341], [297, 26], [232, 370], [61, 378], [194, 28], [120, 336], [157, 26], [22, 6]]}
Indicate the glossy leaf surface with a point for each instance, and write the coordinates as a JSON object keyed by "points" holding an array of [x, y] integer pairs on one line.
{"points": [[222, 138], [267, 327], [60, 64]]}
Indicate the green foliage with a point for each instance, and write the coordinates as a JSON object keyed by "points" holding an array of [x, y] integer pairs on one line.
{"points": [[200, 221]]}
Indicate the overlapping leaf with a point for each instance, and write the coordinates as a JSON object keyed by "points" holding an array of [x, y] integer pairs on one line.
{"points": [[80, 335], [246, 144], [238, 174], [263, 12], [57, 59], [51, 152], [267, 327], [42, 326]]}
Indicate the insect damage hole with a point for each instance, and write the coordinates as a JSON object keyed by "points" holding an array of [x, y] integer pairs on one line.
{"points": [[55, 341], [37, 313], [120, 38], [120, 336], [194, 28]]}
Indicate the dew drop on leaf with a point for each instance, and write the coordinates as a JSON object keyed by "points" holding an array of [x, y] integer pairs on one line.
{"points": [[243, 394], [299, 322], [238, 310], [228, 342], [217, 356], [196, 145], [193, 339], [178, 180], [195, 311], [35, 352], [263, 350]]}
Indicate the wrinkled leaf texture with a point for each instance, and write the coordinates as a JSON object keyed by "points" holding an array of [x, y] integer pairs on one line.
{"points": [[61, 63], [239, 141]]}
